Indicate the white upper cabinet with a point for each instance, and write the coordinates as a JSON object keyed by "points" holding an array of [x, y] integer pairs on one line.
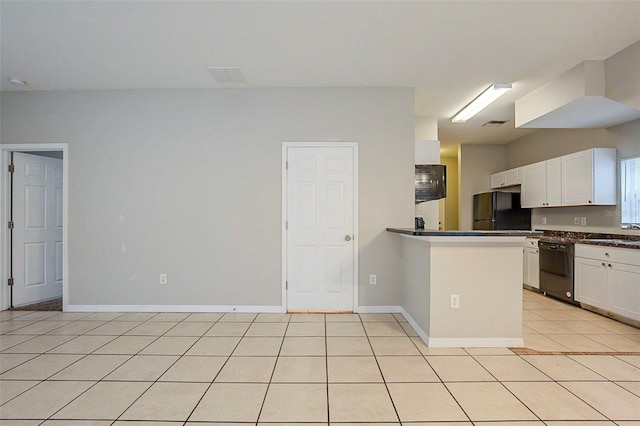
{"points": [[541, 184], [534, 185], [555, 172], [497, 180], [580, 179], [589, 177], [504, 179]]}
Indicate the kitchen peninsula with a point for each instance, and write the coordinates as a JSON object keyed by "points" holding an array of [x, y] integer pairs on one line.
{"points": [[464, 288]]}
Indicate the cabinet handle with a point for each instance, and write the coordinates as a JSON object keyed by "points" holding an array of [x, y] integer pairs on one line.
{"points": [[610, 266], [604, 264], [589, 201], [607, 254]]}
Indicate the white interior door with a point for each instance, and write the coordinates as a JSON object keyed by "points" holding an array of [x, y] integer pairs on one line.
{"points": [[320, 229], [37, 234]]}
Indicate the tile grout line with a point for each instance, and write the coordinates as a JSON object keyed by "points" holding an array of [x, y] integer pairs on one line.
{"points": [[585, 402], [48, 378], [505, 386], [130, 357], [326, 358], [326, 368], [101, 380], [221, 367], [375, 357], [264, 400]]}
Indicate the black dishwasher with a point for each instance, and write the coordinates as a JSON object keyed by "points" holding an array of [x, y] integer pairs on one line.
{"points": [[556, 270]]}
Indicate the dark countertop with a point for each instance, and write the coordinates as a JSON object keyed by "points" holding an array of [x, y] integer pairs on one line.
{"points": [[433, 233], [627, 244], [626, 241]]}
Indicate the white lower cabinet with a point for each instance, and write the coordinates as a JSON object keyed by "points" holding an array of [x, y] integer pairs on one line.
{"points": [[608, 278], [531, 270], [624, 290], [591, 282]]}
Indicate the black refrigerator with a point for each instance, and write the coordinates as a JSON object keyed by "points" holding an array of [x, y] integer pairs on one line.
{"points": [[499, 211]]}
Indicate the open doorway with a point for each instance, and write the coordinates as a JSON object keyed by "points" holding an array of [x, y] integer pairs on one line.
{"points": [[34, 253]]}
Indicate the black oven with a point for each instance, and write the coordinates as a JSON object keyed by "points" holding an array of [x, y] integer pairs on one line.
{"points": [[556, 270]]}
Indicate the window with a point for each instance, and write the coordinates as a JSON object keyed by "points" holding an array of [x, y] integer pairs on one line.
{"points": [[630, 192]]}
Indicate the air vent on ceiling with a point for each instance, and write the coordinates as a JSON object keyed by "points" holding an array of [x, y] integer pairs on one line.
{"points": [[226, 74], [494, 123]]}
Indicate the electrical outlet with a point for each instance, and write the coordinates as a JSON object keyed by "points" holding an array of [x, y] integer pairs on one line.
{"points": [[373, 279], [455, 301], [163, 278], [544, 220], [583, 221], [576, 220]]}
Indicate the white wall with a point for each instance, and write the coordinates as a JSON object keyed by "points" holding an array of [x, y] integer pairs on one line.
{"points": [[476, 163], [545, 144], [187, 182]]}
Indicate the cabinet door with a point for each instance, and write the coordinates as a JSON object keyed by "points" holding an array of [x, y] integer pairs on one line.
{"points": [[624, 290], [534, 185], [511, 177], [591, 282], [554, 182], [577, 179], [497, 180], [532, 267]]}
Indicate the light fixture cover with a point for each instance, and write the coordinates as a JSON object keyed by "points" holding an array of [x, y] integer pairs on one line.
{"points": [[481, 102]]}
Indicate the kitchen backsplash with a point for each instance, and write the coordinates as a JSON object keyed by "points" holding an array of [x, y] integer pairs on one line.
{"points": [[596, 217]]}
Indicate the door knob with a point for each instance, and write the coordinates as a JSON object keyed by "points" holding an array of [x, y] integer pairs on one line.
{"points": [[347, 237]]}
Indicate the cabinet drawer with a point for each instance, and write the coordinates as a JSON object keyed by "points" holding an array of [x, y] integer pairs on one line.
{"points": [[531, 243], [609, 254]]}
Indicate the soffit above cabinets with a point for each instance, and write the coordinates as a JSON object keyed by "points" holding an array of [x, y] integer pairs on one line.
{"points": [[595, 94], [586, 112]]}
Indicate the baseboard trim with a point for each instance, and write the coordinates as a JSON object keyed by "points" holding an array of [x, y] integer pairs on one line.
{"points": [[174, 308], [465, 342], [423, 335], [389, 309], [475, 342]]}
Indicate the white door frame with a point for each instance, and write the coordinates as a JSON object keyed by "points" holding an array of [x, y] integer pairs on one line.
{"points": [[5, 194], [285, 147]]}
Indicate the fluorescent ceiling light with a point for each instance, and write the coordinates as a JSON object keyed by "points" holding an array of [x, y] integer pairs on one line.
{"points": [[481, 102]]}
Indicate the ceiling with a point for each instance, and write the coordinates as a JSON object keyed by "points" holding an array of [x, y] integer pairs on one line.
{"points": [[449, 51]]}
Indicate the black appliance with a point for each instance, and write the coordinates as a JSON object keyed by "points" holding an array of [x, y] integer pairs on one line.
{"points": [[556, 270], [430, 182], [499, 211]]}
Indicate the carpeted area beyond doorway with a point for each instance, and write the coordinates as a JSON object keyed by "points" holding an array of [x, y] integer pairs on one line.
{"points": [[48, 305]]}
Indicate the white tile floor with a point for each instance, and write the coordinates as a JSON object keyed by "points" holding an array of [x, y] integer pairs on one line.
{"points": [[205, 369], [552, 326]]}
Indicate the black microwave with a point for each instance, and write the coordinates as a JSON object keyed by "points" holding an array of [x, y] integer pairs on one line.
{"points": [[431, 182]]}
